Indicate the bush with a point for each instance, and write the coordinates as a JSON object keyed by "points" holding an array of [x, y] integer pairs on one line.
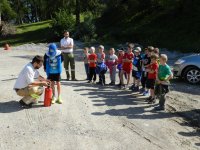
{"points": [[86, 31], [7, 29], [63, 20]]}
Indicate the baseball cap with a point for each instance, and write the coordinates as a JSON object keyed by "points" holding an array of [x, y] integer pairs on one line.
{"points": [[138, 49], [52, 49]]}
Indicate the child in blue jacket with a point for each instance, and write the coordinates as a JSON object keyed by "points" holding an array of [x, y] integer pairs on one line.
{"points": [[53, 67]]}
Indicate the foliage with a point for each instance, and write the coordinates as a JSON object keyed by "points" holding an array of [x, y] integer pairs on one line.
{"points": [[7, 29], [62, 21], [86, 30]]}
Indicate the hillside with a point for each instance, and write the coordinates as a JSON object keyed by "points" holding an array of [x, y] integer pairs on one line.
{"points": [[30, 33]]}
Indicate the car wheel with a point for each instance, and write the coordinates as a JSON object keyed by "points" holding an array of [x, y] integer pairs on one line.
{"points": [[192, 75]]}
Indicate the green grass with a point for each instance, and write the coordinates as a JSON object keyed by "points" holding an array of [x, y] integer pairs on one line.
{"points": [[30, 33]]}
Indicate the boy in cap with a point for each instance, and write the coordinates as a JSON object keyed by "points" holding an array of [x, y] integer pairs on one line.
{"points": [[53, 68], [136, 72]]}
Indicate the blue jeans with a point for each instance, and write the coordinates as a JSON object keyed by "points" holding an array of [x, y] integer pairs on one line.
{"points": [[87, 70]]}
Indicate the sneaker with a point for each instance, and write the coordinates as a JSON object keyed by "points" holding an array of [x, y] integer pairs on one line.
{"points": [[99, 82], [159, 108], [136, 89], [94, 82], [24, 105], [132, 87], [122, 86], [53, 100], [152, 101], [112, 83], [59, 100], [142, 90], [146, 93], [89, 81], [148, 99], [74, 79]]}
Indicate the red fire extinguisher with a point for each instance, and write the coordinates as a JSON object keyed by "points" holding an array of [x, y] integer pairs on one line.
{"points": [[47, 96]]}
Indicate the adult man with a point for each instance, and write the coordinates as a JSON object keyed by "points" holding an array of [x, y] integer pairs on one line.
{"points": [[29, 83], [67, 45]]}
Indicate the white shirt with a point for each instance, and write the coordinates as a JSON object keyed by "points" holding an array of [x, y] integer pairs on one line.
{"points": [[67, 42], [26, 76]]}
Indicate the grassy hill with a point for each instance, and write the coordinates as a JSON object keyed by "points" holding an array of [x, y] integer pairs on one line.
{"points": [[30, 33]]}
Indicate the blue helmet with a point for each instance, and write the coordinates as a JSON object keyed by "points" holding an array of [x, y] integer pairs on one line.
{"points": [[52, 49]]}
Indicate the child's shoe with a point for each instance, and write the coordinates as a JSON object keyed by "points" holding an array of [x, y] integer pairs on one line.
{"points": [[146, 93], [152, 101], [59, 100], [132, 87], [136, 89], [148, 99], [53, 100], [142, 90]]}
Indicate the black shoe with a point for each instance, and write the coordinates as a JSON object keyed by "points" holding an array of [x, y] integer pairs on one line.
{"points": [[74, 79], [159, 108], [24, 105], [89, 81], [152, 101], [99, 82], [112, 83], [148, 99]]}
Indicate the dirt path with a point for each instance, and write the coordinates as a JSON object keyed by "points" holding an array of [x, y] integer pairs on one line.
{"points": [[91, 118]]}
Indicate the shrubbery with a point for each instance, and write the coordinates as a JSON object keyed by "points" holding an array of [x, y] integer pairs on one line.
{"points": [[63, 20], [86, 31], [7, 29]]}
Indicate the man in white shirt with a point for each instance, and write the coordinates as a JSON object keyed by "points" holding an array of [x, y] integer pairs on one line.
{"points": [[29, 83], [67, 45]]}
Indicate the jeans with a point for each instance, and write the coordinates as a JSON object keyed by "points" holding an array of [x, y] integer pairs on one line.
{"points": [[87, 70], [160, 92]]}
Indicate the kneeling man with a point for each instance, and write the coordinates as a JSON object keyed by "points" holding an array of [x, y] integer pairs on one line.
{"points": [[29, 83]]}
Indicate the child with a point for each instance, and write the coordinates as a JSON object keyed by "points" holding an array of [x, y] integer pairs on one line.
{"points": [[92, 59], [119, 63], [145, 62], [86, 63], [53, 68], [127, 65], [101, 67], [152, 70], [136, 72], [163, 77], [111, 62]]}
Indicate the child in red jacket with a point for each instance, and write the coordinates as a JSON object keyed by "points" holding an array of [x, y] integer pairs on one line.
{"points": [[152, 70], [92, 59]]}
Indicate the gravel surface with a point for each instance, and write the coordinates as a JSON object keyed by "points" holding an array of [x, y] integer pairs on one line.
{"points": [[93, 117]]}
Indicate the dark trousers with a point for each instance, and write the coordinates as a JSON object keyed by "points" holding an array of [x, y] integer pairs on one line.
{"points": [[92, 74], [102, 78], [160, 92], [144, 79], [87, 70]]}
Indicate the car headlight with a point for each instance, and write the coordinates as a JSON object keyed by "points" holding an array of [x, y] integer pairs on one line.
{"points": [[179, 61]]}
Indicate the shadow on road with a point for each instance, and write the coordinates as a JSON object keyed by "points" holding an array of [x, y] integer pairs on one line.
{"points": [[135, 105], [9, 107]]}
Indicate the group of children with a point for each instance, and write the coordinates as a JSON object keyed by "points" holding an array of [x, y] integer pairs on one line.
{"points": [[148, 69]]}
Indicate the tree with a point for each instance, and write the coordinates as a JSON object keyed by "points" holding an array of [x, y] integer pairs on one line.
{"points": [[6, 10]]}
